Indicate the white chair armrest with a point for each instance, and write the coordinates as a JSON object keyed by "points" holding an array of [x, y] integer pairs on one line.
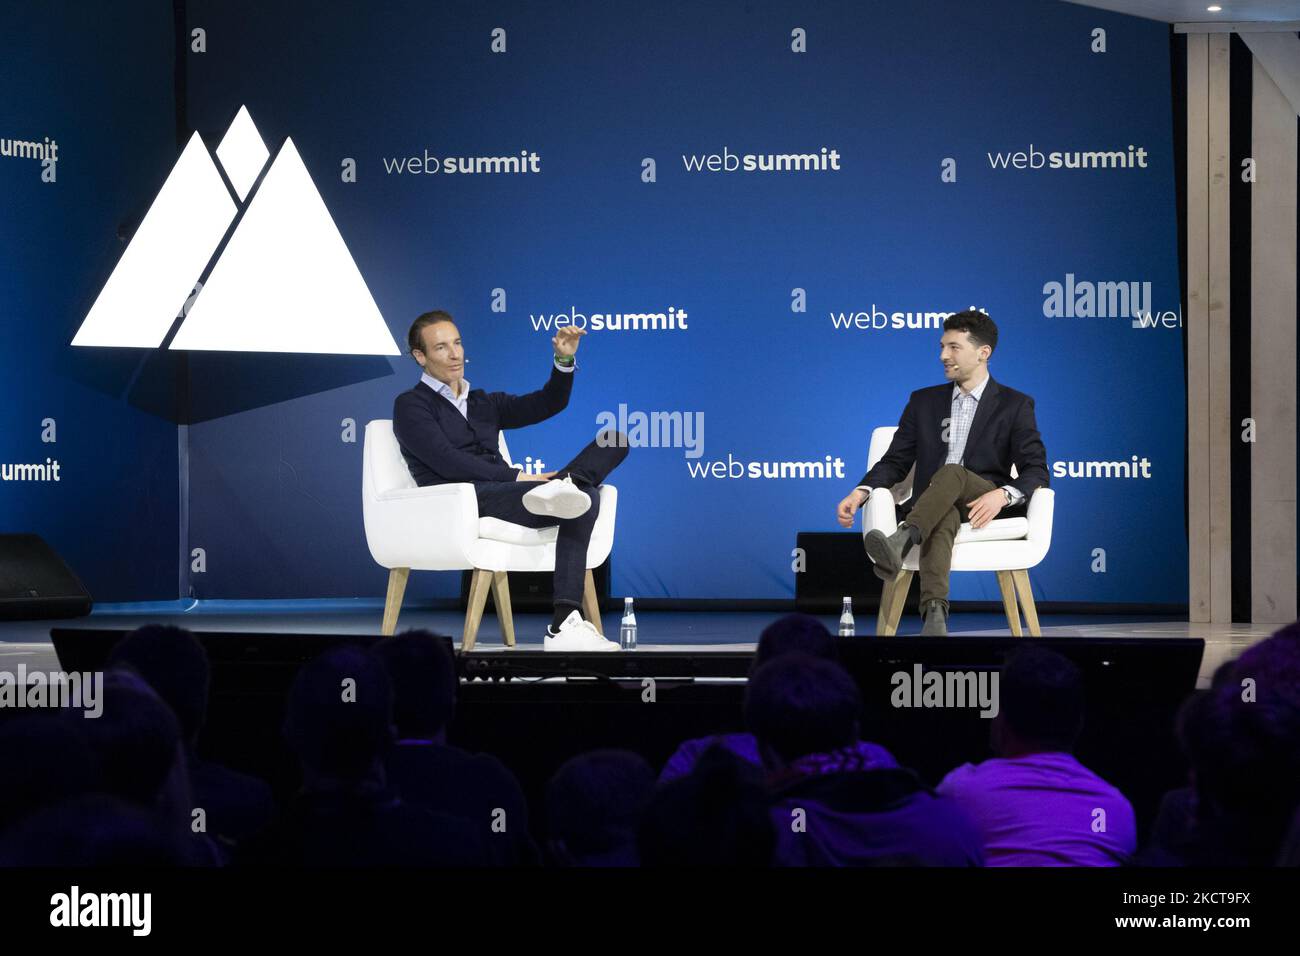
{"points": [[1042, 505], [878, 513], [426, 529]]}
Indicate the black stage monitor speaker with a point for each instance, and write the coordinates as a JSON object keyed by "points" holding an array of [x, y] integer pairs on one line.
{"points": [[836, 565], [35, 584]]}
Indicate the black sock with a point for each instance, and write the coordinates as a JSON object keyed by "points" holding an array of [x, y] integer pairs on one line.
{"points": [[562, 611], [913, 533]]}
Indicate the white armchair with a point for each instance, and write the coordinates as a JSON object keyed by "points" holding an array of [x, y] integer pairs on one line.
{"points": [[438, 528], [1008, 546]]}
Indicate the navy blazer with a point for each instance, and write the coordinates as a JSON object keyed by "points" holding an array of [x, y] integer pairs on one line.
{"points": [[1003, 433], [440, 445]]}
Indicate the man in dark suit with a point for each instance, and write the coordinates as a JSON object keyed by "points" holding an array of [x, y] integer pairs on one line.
{"points": [[449, 432], [963, 438]]}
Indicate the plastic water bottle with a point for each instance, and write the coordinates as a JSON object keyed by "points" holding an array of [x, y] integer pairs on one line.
{"points": [[627, 630], [846, 618]]}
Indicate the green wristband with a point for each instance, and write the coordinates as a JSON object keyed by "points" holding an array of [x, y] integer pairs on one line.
{"points": [[565, 360]]}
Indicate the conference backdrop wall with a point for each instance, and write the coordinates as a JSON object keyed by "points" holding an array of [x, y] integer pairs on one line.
{"points": [[86, 137], [760, 212]]}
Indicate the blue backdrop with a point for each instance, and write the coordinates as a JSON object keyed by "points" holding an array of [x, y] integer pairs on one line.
{"points": [[780, 273], [101, 89]]}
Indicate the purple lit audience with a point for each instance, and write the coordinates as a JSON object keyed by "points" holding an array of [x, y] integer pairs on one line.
{"points": [[834, 802], [1034, 804], [380, 780], [793, 633]]}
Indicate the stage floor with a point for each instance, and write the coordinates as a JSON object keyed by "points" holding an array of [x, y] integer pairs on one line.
{"points": [[28, 642]]}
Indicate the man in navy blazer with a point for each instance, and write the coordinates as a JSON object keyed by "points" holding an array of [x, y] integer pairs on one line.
{"points": [[449, 432], [963, 437]]}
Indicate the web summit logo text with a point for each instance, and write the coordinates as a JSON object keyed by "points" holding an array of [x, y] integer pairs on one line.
{"points": [[729, 162], [47, 152], [673, 320], [1132, 158], [282, 280], [525, 162], [877, 319]]}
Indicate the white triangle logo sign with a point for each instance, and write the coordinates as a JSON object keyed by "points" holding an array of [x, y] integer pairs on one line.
{"points": [[285, 281]]}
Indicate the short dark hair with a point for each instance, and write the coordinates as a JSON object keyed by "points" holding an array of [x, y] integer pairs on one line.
{"points": [[56, 761], [98, 829], [797, 704], [1041, 697], [596, 800], [136, 740], [717, 815], [1244, 752], [414, 338], [331, 735], [981, 329], [422, 670], [175, 665], [795, 632]]}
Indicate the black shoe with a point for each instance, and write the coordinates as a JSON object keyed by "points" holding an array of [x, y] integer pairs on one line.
{"points": [[936, 619], [887, 553]]}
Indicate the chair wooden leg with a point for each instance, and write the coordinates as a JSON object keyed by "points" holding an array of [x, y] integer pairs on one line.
{"points": [[501, 598], [1009, 602], [886, 602], [902, 583], [1021, 578], [590, 604], [393, 601], [478, 592]]}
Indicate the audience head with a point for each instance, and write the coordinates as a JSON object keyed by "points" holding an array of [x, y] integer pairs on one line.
{"points": [[594, 806], [98, 829], [797, 705], [1242, 739], [339, 714], [1040, 701], [137, 744], [422, 671], [717, 815], [795, 633], [57, 764], [173, 662]]}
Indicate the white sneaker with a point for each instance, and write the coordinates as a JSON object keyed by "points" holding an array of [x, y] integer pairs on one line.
{"points": [[576, 634], [559, 497]]}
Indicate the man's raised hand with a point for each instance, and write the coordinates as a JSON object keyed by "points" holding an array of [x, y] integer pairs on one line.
{"points": [[566, 339]]}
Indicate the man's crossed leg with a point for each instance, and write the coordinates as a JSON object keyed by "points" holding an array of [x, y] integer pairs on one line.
{"points": [[505, 500], [933, 523]]}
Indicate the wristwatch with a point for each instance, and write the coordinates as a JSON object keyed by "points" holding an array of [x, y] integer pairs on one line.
{"points": [[1008, 494]]}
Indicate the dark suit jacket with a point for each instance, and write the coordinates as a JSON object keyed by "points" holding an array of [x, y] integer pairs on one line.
{"points": [[1003, 433], [440, 446]]}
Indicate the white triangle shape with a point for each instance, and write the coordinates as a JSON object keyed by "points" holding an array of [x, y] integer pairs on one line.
{"points": [[165, 257], [241, 153], [285, 281]]}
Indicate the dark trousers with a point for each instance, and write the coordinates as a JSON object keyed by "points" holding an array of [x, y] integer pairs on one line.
{"points": [[939, 513], [504, 500]]}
